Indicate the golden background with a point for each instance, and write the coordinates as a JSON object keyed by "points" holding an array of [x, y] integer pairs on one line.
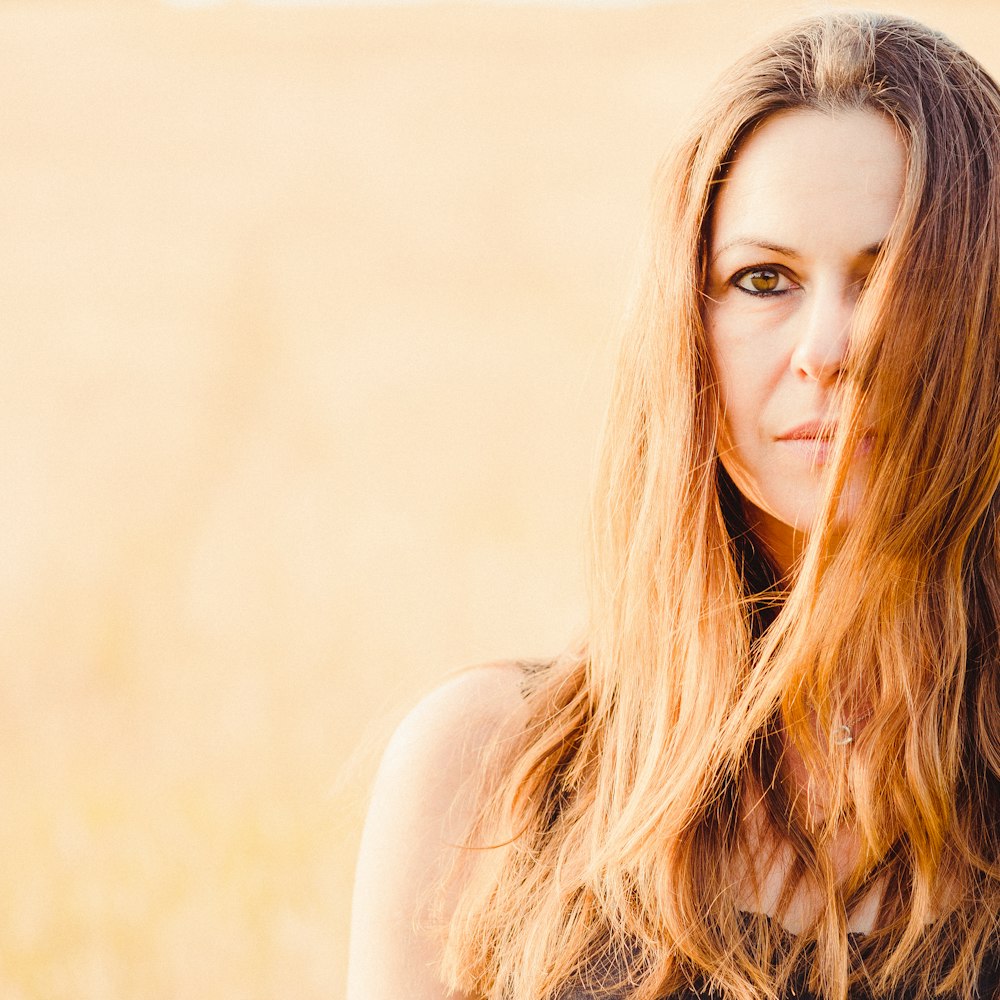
{"points": [[306, 324]]}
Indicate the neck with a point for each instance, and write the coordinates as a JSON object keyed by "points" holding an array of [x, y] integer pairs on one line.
{"points": [[783, 544]]}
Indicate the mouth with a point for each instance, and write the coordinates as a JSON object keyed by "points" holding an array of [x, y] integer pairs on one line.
{"points": [[814, 440], [811, 430]]}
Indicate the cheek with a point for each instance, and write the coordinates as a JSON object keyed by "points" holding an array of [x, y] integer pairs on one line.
{"points": [[741, 393], [749, 368]]}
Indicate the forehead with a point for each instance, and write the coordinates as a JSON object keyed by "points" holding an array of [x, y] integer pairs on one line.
{"points": [[808, 178]]}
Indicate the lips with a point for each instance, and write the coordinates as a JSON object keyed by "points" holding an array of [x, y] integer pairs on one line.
{"points": [[813, 440], [817, 430], [811, 430]]}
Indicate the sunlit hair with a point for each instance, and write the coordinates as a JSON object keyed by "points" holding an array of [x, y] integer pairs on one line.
{"points": [[617, 815]]}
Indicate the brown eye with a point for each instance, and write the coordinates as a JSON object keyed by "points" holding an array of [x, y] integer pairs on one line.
{"points": [[764, 281], [761, 281]]}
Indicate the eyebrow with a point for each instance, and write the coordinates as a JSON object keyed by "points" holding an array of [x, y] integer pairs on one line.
{"points": [[751, 241]]}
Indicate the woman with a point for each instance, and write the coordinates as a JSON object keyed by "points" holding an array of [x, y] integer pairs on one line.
{"points": [[772, 766]]}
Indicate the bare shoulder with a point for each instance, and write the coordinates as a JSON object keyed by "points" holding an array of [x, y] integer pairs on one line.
{"points": [[472, 704], [422, 802], [440, 743]]}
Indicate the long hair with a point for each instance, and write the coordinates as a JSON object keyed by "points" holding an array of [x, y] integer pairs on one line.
{"points": [[607, 849]]}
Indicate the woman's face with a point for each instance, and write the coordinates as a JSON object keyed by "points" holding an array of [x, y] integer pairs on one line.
{"points": [[796, 228]]}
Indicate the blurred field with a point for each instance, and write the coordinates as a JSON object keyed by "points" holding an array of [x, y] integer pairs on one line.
{"points": [[305, 324]]}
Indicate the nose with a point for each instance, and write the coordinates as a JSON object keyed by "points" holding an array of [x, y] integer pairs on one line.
{"points": [[821, 344]]}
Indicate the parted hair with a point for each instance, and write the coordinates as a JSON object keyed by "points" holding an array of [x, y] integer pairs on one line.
{"points": [[613, 822]]}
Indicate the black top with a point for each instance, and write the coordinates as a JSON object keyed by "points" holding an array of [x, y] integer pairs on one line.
{"points": [[988, 986]]}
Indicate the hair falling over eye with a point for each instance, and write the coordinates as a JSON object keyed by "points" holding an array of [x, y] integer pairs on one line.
{"points": [[616, 811]]}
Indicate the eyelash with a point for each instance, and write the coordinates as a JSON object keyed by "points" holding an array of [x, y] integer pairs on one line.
{"points": [[757, 269]]}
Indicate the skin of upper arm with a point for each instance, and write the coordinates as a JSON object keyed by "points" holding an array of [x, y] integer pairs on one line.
{"points": [[414, 820]]}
